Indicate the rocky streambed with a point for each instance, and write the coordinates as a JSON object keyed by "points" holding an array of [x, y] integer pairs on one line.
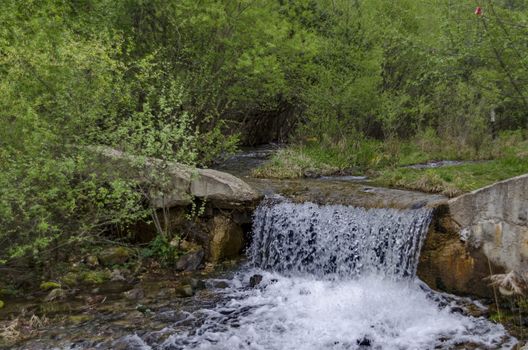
{"points": [[106, 315]]}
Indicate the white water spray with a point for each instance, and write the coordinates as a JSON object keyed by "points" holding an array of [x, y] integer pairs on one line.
{"points": [[335, 277]]}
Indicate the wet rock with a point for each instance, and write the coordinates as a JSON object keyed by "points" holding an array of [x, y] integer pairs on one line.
{"points": [[364, 342], [195, 283], [163, 294], [221, 284], [92, 261], [226, 239], [114, 256], [171, 316], [419, 205], [56, 294], [95, 299], [255, 280], [191, 261], [134, 294], [457, 310], [117, 275], [476, 311], [129, 342], [184, 291]]}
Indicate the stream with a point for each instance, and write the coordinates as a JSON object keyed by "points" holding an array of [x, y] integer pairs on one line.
{"points": [[317, 276], [336, 277]]}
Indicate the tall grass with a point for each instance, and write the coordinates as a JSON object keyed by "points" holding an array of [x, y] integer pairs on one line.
{"points": [[385, 161]]}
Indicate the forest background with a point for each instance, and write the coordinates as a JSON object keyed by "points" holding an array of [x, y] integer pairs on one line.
{"points": [[350, 86]]}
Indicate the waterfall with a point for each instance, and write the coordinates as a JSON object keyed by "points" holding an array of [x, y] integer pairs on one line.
{"points": [[333, 277], [337, 241]]}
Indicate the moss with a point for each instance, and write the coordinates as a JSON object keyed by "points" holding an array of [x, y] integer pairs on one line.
{"points": [[78, 319], [70, 279], [94, 277], [114, 256], [9, 291], [49, 285], [1, 304]]}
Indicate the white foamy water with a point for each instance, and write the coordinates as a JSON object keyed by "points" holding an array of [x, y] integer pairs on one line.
{"points": [[334, 277], [303, 313]]}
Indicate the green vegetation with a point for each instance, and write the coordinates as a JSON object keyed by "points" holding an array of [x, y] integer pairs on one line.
{"points": [[49, 285], [94, 277], [453, 180], [386, 162], [164, 251], [361, 86], [427, 82]]}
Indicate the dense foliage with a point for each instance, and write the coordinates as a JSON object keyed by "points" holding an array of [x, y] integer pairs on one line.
{"points": [[184, 80]]}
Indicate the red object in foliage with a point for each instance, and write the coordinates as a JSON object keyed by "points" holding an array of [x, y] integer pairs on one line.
{"points": [[478, 11]]}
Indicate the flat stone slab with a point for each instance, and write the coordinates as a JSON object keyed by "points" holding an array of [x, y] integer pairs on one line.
{"points": [[346, 193], [182, 183]]}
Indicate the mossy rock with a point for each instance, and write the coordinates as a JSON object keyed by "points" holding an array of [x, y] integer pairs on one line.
{"points": [[95, 277], [184, 291], [1, 304], [49, 285], [114, 256], [56, 294], [70, 279], [92, 261]]}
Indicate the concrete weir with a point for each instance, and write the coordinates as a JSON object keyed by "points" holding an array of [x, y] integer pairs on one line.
{"points": [[476, 235]]}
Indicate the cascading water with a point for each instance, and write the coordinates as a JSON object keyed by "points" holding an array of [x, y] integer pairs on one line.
{"points": [[338, 241], [334, 277]]}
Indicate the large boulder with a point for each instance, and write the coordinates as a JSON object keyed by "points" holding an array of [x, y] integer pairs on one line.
{"points": [[181, 183], [226, 239]]}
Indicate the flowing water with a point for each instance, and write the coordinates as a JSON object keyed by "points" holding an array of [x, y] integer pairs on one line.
{"points": [[318, 277], [334, 277]]}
